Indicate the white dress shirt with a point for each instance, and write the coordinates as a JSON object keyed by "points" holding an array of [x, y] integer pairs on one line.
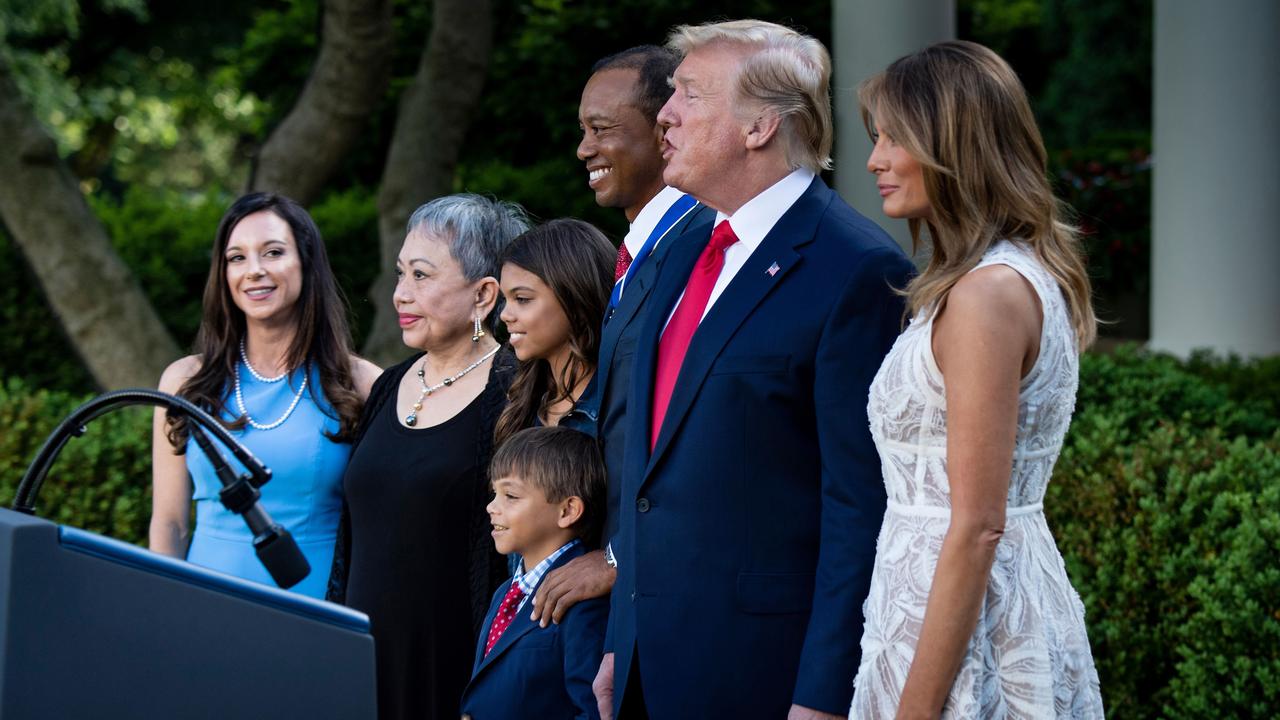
{"points": [[751, 223], [646, 220]]}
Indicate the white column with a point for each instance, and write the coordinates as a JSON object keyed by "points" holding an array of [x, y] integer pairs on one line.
{"points": [[867, 35], [1215, 237]]}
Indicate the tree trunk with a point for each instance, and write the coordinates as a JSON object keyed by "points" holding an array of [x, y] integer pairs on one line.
{"points": [[107, 317], [432, 122], [347, 82]]}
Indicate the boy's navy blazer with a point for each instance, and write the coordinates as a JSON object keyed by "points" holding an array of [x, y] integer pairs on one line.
{"points": [[747, 537], [617, 349], [534, 672]]}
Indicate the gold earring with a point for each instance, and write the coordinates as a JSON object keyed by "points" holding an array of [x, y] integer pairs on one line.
{"points": [[478, 332]]}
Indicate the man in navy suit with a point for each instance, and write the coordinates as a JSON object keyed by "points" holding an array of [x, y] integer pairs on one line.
{"points": [[751, 494], [622, 150]]}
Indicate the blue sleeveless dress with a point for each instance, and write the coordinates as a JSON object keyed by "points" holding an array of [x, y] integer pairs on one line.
{"points": [[305, 491]]}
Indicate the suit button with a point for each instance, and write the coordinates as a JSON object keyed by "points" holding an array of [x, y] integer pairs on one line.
{"points": [[633, 597], [642, 505]]}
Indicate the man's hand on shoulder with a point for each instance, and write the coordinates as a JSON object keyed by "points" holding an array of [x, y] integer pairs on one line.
{"points": [[800, 712], [580, 579]]}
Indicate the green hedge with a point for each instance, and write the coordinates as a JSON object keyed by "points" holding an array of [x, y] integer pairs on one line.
{"points": [[1165, 504], [101, 481]]}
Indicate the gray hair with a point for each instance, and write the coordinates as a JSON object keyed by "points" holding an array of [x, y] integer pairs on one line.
{"points": [[788, 73], [477, 230]]}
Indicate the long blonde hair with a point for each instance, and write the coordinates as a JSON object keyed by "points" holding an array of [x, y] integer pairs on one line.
{"points": [[959, 110]]}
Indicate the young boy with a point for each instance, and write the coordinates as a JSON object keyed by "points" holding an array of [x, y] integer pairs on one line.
{"points": [[549, 487]]}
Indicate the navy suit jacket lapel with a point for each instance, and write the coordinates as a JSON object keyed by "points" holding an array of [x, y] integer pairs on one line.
{"points": [[676, 267], [521, 624], [638, 289], [750, 286], [484, 629]]}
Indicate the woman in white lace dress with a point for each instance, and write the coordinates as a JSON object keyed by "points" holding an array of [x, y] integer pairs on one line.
{"points": [[970, 613]]}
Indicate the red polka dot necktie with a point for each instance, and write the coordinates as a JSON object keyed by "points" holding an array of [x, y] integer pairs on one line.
{"points": [[624, 262], [506, 613], [675, 340]]}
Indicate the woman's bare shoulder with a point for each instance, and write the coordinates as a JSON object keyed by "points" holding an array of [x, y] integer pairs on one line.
{"points": [[178, 372], [364, 374]]}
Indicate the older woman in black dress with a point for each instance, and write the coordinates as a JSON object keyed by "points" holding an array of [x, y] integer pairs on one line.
{"points": [[418, 558]]}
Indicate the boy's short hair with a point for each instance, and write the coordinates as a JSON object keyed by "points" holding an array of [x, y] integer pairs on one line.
{"points": [[561, 463]]}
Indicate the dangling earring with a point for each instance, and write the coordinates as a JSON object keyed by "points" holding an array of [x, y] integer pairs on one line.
{"points": [[478, 332]]}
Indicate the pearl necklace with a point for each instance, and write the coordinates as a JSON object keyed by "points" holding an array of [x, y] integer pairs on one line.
{"points": [[245, 357], [412, 418], [245, 413]]}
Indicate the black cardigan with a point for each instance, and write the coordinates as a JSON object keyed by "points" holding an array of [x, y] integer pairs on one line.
{"points": [[487, 569]]}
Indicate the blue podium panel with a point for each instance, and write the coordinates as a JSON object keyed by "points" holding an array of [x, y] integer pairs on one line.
{"points": [[94, 628]]}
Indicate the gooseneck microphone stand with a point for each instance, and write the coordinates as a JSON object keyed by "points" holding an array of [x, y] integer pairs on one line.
{"points": [[274, 545]]}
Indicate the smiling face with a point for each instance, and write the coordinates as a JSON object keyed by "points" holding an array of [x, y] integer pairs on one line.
{"points": [[525, 522], [537, 322], [621, 148], [705, 141], [899, 178], [435, 303], [264, 269]]}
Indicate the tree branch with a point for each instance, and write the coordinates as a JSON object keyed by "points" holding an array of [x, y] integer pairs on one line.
{"points": [[107, 317], [432, 122], [350, 74]]}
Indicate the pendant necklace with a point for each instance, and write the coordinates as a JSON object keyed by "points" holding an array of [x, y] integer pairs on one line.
{"points": [[412, 418]]}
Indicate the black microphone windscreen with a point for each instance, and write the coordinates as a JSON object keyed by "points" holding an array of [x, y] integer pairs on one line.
{"points": [[281, 557]]}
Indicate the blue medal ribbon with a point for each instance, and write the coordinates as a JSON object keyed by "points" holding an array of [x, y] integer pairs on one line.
{"points": [[673, 215]]}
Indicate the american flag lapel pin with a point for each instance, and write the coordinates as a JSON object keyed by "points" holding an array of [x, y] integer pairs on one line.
{"points": [[773, 269]]}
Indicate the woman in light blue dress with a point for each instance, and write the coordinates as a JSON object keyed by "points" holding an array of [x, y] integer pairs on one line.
{"points": [[273, 362]]}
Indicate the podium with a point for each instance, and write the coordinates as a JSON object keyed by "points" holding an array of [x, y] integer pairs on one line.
{"points": [[92, 627]]}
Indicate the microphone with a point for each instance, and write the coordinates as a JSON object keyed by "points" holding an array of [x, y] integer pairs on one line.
{"points": [[273, 544]]}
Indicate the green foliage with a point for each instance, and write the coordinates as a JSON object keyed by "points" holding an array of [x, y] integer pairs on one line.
{"points": [[348, 220], [21, 19], [165, 238], [1108, 185], [33, 345], [133, 101], [1087, 69], [1100, 79], [100, 482], [1229, 649], [1166, 507], [1001, 18], [1138, 392]]}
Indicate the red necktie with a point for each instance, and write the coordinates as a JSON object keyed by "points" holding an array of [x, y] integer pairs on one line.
{"points": [[624, 262], [506, 613], [675, 339]]}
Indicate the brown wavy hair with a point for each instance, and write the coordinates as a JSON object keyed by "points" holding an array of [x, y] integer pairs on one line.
{"points": [[322, 339], [576, 261], [960, 111]]}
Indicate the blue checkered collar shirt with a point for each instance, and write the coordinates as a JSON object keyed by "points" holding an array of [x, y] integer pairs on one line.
{"points": [[529, 580]]}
